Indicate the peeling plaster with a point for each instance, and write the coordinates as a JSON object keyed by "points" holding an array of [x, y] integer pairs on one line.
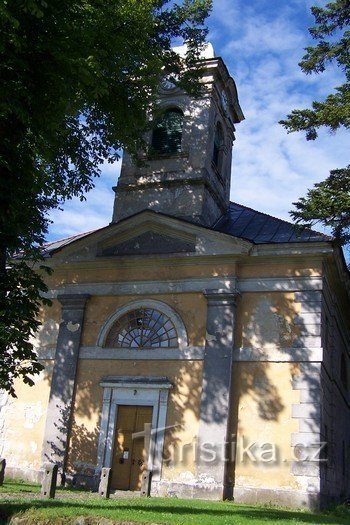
{"points": [[267, 328], [187, 478], [32, 414], [73, 327], [210, 337]]}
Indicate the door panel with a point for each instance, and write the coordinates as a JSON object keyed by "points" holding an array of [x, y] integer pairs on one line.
{"points": [[129, 456], [139, 452]]}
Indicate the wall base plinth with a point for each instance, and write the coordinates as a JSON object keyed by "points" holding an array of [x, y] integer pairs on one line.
{"points": [[210, 491], [284, 497], [27, 474], [197, 490]]}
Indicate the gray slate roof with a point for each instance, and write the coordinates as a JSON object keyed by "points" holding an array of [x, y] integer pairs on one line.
{"points": [[239, 221], [261, 228], [51, 247]]}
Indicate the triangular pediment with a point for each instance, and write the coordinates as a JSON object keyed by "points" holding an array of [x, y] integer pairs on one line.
{"points": [[148, 234], [149, 242]]}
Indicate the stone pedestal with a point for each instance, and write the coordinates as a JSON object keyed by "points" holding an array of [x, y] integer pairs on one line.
{"points": [[105, 482], [2, 470], [146, 483], [49, 481]]}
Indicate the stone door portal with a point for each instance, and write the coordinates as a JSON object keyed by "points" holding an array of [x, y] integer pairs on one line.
{"points": [[130, 454]]}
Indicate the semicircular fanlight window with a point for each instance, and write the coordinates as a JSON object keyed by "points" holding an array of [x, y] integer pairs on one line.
{"points": [[142, 328]]}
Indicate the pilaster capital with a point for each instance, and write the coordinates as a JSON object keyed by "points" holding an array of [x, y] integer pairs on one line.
{"points": [[221, 297], [73, 301]]}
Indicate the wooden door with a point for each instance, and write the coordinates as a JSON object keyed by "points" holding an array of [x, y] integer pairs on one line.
{"points": [[129, 456]]}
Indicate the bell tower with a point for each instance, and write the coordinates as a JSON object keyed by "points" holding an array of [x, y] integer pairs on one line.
{"points": [[186, 169]]}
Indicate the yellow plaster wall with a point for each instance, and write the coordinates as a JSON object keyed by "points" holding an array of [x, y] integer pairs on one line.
{"points": [[25, 419], [183, 407], [191, 307], [139, 270], [161, 269], [266, 320], [278, 268], [262, 405], [262, 391]]}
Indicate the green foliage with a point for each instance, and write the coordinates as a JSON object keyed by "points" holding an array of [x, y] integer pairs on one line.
{"points": [[329, 201], [333, 36], [77, 79]]}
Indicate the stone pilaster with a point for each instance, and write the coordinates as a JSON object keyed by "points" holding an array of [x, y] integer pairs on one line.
{"points": [[63, 379], [217, 373]]}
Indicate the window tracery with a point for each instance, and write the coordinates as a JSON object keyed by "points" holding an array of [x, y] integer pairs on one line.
{"points": [[142, 328]]}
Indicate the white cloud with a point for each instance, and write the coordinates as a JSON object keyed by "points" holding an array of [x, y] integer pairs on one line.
{"points": [[95, 212]]}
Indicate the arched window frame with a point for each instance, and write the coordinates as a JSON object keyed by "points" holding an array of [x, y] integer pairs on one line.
{"points": [[167, 152], [218, 147], [182, 339]]}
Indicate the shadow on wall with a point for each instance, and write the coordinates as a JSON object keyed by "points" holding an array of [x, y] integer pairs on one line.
{"points": [[183, 415], [274, 327], [282, 327], [82, 442]]}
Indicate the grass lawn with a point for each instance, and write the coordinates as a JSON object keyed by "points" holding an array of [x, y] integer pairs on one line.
{"points": [[170, 511]]}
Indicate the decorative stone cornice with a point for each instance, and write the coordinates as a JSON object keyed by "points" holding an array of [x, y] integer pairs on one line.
{"points": [[75, 301], [221, 297]]}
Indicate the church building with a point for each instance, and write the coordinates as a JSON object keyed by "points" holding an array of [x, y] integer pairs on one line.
{"points": [[192, 337]]}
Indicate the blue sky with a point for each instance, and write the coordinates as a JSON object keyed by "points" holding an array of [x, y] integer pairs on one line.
{"points": [[261, 42]]}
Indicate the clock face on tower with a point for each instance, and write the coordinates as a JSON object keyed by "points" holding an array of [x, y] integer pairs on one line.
{"points": [[167, 83]]}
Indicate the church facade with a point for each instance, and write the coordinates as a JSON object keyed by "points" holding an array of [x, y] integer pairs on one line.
{"points": [[192, 337]]}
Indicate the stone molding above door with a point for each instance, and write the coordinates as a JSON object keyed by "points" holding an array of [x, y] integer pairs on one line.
{"points": [[133, 390]]}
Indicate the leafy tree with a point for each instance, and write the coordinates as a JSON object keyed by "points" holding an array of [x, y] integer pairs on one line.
{"points": [[77, 78], [329, 201]]}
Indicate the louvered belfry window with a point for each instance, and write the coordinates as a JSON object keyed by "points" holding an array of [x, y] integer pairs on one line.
{"points": [[218, 144], [142, 328], [167, 133]]}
